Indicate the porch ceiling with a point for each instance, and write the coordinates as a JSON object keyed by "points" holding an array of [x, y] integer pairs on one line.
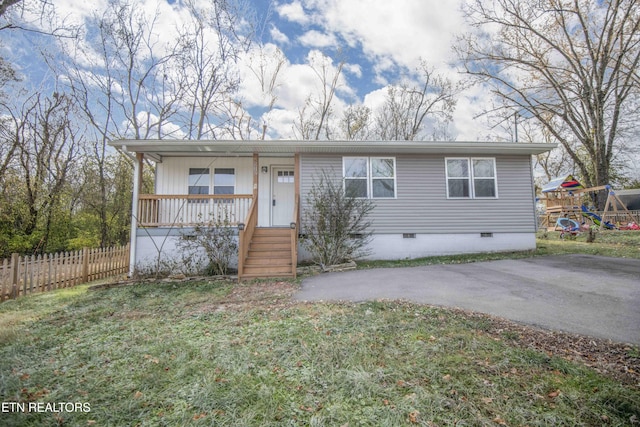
{"points": [[156, 149]]}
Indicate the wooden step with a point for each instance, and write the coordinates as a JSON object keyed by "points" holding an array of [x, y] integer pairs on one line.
{"points": [[266, 276], [269, 254], [264, 260], [271, 232], [271, 239], [266, 238], [267, 270], [269, 246]]}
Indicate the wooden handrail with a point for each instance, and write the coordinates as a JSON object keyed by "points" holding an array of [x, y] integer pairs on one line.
{"points": [[294, 236], [245, 235], [193, 196], [168, 210]]}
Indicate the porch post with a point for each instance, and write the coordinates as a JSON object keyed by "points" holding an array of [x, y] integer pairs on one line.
{"points": [[297, 179], [256, 167], [137, 182]]}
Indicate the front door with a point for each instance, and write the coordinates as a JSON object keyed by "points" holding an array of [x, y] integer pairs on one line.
{"points": [[282, 196]]}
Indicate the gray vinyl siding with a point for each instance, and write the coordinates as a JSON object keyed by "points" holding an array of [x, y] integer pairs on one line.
{"points": [[421, 204]]}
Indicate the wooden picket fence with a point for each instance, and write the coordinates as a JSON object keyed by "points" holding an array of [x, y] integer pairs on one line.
{"points": [[23, 275]]}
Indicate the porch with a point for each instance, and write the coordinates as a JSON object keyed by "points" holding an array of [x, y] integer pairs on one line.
{"points": [[262, 251], [240, 186]]}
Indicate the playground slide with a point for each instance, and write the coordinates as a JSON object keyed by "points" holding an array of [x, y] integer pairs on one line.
{"points": [[595, 218]]}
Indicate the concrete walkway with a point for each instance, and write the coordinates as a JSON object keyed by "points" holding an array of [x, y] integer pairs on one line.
{"points": [[583, 294]]}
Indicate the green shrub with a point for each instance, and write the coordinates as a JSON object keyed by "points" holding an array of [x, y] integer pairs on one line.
{"points": [[335, 225], [217, 238]]}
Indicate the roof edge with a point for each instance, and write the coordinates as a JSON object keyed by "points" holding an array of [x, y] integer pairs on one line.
{"points": [[165, 147]]}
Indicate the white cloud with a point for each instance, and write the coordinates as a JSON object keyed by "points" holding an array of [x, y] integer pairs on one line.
{"points": [[402, 30], [469, 124], [376, 98], [293, 12], [280, 123], [72, 11], [278, 36], [317, 39], [354, 69]]}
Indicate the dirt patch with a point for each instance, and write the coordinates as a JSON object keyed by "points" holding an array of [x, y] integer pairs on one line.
{"points": [[262, 293], [618, 360], [259, 294]]}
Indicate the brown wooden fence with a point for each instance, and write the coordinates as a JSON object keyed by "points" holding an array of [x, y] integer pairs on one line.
{"points": [[23, 275]]}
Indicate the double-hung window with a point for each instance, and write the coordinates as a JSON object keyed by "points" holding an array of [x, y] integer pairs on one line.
{"points": [[224, 181], [471, 178], [198, 183], [370, 177], [356, 176]]}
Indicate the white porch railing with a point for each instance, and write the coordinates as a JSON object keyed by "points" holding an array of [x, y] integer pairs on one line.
{"points": [[164, 210]]}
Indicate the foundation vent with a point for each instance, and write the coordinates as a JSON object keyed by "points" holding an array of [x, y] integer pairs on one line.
{"points": [[409, 235], [486, 234]]}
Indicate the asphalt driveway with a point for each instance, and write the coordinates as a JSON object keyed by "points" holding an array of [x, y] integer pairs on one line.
{"points": [[589, 295]]}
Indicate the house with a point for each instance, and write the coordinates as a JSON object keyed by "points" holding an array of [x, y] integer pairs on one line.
{"points": [[431, 198]]}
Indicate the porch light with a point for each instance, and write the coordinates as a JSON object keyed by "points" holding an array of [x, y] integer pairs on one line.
{"points": [[264, 169], [241, 226], [292, 225]]}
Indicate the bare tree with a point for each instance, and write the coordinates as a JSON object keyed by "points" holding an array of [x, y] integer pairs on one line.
{"points": [[6, 4], [123, 81], [409, 106], [329, 85], [355, 124], [211, 45], [11, 125], [48, 147], [552, 163], [266, 67], [314, 117], [131, 45], [570, 65], [239, 124], [7, 74], [35, 16], [25, 17]]}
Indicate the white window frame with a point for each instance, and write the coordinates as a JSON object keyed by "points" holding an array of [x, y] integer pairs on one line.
{"points": [[285, 176], [215, 184], [471, 178], [363, 178], [205, 183], [369, 178]]}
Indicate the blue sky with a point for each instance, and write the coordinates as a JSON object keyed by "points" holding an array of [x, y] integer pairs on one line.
{"points": [[381, 41]]}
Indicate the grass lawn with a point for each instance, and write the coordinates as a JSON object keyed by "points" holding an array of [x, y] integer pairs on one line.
{"points": [[218, 353]]}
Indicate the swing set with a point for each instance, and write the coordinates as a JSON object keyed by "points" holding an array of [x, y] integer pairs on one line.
{"points": [[565, 211]]}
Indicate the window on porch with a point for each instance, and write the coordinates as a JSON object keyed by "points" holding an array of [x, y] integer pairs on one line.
{"points": [[224, 181], [199, 179]]}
